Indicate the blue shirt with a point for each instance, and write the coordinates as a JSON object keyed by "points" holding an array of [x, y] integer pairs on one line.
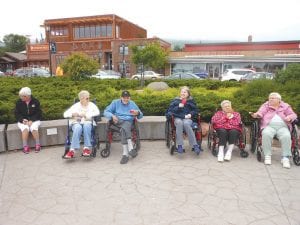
{"points": [[121, 110]]}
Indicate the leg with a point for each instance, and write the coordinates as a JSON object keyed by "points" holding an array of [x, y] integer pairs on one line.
{"points": [[187, 125], [233, 135], [25, 134], [125, 130], [284, 136], [268, 134], [34, 128], [77, 131], [222, 135], [87, 133], [179, 130]]}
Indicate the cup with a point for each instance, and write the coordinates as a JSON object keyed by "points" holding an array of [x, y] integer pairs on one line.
{"points": [[183, 101], [131, 111]]}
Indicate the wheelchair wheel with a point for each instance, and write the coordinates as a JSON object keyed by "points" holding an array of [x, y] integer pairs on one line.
{"points": [[168, 133], [172, 149], [259, 155], [67, 149], [296, 157], [105, 152], [136, 137], [253, 137]]}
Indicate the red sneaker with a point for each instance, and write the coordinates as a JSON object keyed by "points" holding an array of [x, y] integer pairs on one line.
{"points": [[86, 152], [69, 155], [26, 149], [37, 148]]}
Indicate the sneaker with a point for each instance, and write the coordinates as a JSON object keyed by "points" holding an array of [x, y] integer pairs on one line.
{"points": [[268, 160], [227, 156], [37, 148], [69, 155], [26, 149], [220, 157], [180, 149], [197, 149], [286, 163], [124, 159], [86, 152], [133, 153]]}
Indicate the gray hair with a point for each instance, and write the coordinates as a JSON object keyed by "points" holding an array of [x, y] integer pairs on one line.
{"points": [[275, 94], [25, 91], [83, 94], [224, 102]]}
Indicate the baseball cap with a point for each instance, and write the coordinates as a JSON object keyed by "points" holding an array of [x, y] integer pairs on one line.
{"points": [[125, 94]]}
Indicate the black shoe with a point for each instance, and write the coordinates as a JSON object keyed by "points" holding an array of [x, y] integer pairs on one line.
{"points": [[124, 159], [133, 153]]}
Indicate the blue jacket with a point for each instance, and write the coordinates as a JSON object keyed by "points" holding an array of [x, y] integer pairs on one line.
{"points": [[189, 108], [121, 110]]}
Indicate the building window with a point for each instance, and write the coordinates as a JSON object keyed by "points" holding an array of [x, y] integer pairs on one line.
{"points": [[59, 31], [93, 31], [125, 50]]}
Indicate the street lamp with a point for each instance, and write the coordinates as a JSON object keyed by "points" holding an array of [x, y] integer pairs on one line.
{"points": [[100, 56], [123, 61], [49, 49]]}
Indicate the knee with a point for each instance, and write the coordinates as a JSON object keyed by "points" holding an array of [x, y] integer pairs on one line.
{"points": [[266, 134]]}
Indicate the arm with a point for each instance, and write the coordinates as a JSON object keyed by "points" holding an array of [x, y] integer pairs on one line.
{"points": [[18, 114], [138, 112], [175, 110], [93, 111], [290, 114], [36, 111], [219, 118], [236, 119], [194, 111], [110, 110]]}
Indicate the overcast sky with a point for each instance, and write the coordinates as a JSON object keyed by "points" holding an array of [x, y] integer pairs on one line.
{"points": [[214, 20]]}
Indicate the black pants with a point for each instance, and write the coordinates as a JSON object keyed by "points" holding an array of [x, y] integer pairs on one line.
{"points": [[227, 135]]}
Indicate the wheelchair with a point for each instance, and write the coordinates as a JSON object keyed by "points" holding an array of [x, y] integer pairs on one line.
{"points": [[95, 141], [213, 141], [170, 133], [113, 131], [256, 141]]}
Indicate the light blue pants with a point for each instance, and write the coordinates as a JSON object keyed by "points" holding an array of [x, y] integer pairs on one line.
{"points": [[282, 133], [78, 129], [184, 125]]}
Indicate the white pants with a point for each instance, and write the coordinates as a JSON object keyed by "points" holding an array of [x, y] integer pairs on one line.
{"points": [[34, 126]]}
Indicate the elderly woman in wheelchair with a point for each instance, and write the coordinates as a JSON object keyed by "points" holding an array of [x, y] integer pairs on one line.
{"points": [[228, 128], [81, 121], [184, 110], [276, 119]]}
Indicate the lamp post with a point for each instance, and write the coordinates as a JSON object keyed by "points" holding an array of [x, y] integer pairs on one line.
{"points": [[123, 61], [100, 56], [49, 49]]}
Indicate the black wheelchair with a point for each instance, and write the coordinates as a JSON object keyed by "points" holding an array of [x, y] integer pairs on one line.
{"points": [[113, 131], [95, 141], [256, 141], [170, 133], [213, 141]]}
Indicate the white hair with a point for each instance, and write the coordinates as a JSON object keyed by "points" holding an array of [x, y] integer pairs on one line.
{"points": [[276, 95], [25, 91], [83, 94], [225, 102]]}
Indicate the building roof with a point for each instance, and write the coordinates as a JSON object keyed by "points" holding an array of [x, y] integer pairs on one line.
{"points": [[16, 56]]}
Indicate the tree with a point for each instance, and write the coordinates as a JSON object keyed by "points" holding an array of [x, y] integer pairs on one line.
{"points": [[79, 66], [15, 42], [151, 56], [291, 73]]}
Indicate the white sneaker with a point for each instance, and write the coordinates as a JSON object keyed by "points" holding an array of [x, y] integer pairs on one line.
{"points": [[220, 157], [228, 156], [268, 160], [286, 163]]}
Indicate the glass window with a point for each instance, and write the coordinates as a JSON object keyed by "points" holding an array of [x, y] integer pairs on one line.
{"points": [[93, 31], [87, 32], [109, 30]]}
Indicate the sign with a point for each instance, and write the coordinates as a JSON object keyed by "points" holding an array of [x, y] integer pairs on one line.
{"points": [[52, 131]]}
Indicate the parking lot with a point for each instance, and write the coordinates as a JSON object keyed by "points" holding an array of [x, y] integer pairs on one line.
{"points": [[155, 188]]}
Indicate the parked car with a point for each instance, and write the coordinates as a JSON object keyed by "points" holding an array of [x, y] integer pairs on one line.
{"points": [[202, 74], [1, 73], [31, 72], [257, 75], [182, 76], [148, 75], [107, 74], [234, 74]]}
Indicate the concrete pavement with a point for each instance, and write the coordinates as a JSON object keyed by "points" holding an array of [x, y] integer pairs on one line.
{"points": [[153, 189]]}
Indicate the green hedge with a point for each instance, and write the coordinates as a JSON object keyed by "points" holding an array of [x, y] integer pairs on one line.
{"points": [[56, 94]]}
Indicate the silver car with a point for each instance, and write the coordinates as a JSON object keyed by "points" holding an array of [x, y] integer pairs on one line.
{"points": [[107, 74]]}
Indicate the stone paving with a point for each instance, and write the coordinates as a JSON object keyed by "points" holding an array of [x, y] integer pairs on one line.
{"points": [[153, 189]]}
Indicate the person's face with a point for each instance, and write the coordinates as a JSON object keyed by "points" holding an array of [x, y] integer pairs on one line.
{"points": [[25, 98], [273, 100], [85, 100], [184, 93], [125, 99], [226, 107]]}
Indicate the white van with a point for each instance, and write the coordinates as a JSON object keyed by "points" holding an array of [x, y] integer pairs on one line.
{"points": [[234, 74]]}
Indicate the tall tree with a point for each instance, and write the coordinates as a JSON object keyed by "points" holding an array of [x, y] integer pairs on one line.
{"points": [[15, 42]]}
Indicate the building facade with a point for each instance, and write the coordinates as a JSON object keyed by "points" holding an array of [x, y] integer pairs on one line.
{"points": [[215, 58], [105, 38]]}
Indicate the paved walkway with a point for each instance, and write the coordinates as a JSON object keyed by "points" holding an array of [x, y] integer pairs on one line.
{"points": [[153, 189]]}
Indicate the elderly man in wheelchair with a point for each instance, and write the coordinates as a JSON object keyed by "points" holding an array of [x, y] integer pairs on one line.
{"points": [[81, 122], [276, 118], [182, 111]]}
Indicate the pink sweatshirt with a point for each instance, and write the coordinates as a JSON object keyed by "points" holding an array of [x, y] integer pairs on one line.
{"points": [[220, 120], [267, 112]]}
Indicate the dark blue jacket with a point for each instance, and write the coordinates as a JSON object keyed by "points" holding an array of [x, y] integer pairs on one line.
{"points": [[189, 108]]}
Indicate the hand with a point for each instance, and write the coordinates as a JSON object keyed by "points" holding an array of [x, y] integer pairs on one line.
{"points": [[29, 123], [75, 115], [188, 116], [229, 115], [181, 105], [254, 115], [288, 119], [115, 119], [134, 112], [82, 115]]}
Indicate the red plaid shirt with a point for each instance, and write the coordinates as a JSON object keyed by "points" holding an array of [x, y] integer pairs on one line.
{"points": [[220, 121]]}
